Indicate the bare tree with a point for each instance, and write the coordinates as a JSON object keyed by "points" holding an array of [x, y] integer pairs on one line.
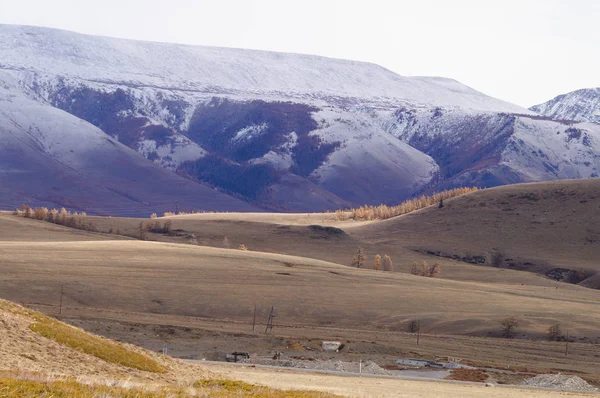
{"points": [[142, 231], [359, 259], [508, 326], [413, 326]]}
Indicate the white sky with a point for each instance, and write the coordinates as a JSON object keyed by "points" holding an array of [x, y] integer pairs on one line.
{"points": [[522, 51]]}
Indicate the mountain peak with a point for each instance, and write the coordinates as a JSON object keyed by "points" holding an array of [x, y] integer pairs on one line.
{"points": [[580, 105]]}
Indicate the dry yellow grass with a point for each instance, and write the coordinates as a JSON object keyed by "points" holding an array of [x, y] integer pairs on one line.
{"points": [[17, 388], [87, 343]]}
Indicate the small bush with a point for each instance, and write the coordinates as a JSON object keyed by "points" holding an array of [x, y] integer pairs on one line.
{"points": [[554, 333]]}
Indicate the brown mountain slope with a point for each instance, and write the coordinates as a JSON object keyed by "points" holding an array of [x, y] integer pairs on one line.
{"points": [[550, 228]]}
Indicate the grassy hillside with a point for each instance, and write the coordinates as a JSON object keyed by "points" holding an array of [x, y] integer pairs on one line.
{"points": [[547, 228], [40, 356]]}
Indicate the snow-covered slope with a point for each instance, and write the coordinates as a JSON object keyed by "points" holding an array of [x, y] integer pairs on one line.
{"points": [[224, 70], [283, 131], [497, 149], [581, 105], [51, 158]]}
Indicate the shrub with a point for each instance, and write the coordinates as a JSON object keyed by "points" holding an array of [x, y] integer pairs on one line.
{"points": [[554, 333]]}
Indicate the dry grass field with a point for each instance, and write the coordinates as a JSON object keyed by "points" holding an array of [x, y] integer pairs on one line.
{"points": [[196, 291], [532, 227]]}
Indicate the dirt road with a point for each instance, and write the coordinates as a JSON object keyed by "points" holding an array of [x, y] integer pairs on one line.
{"points": [[364, 387]]}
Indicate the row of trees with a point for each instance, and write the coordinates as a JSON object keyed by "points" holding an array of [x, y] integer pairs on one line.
{"points": [[60, 217], [383, 212], [424, 269], [379, 263], [385, 263]]}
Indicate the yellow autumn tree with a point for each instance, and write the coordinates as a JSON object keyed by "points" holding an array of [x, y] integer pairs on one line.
{"points": [[377, 262]]}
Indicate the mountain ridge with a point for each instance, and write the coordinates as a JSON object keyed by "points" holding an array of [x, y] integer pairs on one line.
{"points": [[581, 105], [273, 129]]}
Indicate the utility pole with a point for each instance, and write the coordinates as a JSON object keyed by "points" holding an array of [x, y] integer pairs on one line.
{"points": [[62, 290], [418, 331], [269, 327], [567, 344], [254, 320]]}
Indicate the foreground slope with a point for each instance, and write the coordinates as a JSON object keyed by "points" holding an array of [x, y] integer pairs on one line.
{"points": [[50, 158]]}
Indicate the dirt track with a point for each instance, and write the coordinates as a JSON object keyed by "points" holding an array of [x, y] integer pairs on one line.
{"points": [[364, 387]]}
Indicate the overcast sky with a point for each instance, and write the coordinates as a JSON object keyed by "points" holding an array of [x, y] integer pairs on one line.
{"points": [[522, 51]]}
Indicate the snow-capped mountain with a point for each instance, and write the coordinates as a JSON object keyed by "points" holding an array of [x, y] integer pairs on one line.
{"points": [[580, 105], [51, 158], [289, 131]]}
